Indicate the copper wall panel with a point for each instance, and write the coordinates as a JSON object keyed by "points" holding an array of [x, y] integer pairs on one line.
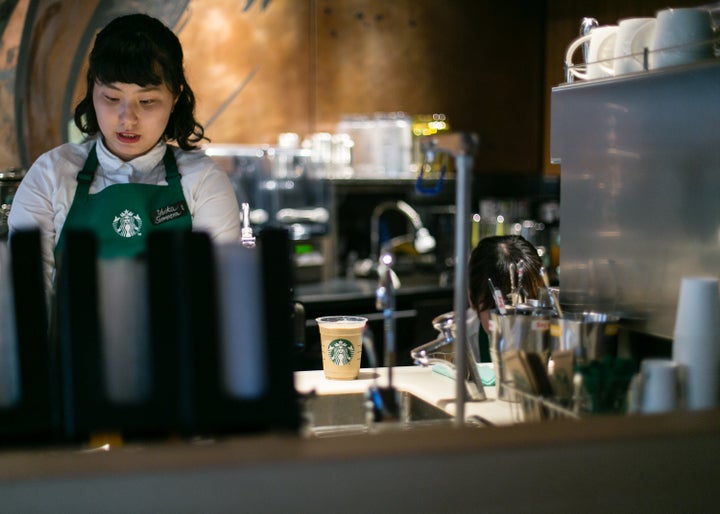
{"points": [[267, 50], [52, 44], [9, 51], [478, 62], [260, 68]]}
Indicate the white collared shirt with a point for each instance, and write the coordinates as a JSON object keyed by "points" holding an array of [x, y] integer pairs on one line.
{"points": [[46, 193]]}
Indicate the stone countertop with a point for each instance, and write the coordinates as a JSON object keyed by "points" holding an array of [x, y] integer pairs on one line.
{"points": [[424, 383]]}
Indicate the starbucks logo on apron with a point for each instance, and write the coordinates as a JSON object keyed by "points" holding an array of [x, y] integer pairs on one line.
{"points": [[341, 352], [127, 224]]}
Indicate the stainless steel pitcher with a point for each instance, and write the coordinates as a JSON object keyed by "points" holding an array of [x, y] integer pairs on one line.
{"points": [[518, 329]]}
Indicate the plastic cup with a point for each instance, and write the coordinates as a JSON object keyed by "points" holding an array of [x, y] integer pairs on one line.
{"points": [[341, 344]]}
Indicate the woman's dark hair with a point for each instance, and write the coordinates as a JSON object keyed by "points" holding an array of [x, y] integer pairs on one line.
{"points": [[491, 258], [139, 49]]}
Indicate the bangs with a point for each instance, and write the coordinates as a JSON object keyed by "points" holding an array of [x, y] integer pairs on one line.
{"points": [[129, 72], [134, 61]]}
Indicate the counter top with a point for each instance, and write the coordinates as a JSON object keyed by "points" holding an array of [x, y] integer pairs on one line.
{"points": [[424, 383], [659, 463]]}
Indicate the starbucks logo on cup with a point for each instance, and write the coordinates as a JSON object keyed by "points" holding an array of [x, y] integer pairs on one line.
{"points": [[341, 351]]}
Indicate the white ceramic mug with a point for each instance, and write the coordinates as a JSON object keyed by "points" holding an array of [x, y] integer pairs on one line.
{"points": [[633, 36], [600, 53], [682, 36], [660, 390]]}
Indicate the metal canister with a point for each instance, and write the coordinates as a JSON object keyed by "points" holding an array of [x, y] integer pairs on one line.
{"points": [[592, 335], [518, 329]]}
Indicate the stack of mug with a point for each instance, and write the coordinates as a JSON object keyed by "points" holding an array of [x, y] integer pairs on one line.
{"points": [[674, 37], [690, 380]]}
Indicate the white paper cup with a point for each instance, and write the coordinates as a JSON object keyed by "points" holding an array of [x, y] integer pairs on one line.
{"points": [[696, 341], [698, 307]]}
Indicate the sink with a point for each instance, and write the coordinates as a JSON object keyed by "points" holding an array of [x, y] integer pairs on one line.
{"points": [[348, 413]]}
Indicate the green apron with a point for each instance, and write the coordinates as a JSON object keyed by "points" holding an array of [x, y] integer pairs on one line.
{"points": [[122, 215], [484, 345]]}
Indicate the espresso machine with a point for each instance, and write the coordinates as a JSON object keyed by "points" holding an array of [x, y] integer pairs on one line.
{"points": [[284, 187]]}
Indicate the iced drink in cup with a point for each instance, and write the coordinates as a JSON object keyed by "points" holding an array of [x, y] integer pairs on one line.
{"points": [[341, 343]]}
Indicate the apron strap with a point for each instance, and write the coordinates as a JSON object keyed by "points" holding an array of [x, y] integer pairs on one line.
{"points": [[172, 175], [86, 175]]}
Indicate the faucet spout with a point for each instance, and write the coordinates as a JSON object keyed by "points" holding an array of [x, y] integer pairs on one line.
{"points": [[420, 236], [416, 234], [424, 355]]}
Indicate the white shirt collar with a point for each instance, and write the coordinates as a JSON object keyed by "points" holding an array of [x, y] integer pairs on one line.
{"points": [[141, 165]]}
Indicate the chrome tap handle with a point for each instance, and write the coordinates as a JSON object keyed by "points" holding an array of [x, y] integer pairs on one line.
{"points": [[586, 26], [246, 234]]}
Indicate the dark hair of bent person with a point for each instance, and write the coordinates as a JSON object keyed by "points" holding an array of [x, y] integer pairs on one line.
{"points": [[139, 49], [491, 258]]}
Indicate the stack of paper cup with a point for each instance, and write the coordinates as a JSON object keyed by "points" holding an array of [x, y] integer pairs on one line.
{"points": [[242, 318], [9, 358], [124, 321], [696, 341]]}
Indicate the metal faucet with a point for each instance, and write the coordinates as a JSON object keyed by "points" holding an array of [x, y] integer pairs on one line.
{"points": [[423, 356], [420, 238], [385, 301]]}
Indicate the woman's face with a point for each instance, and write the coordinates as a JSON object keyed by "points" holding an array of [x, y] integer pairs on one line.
{"points": [[132, 118]]}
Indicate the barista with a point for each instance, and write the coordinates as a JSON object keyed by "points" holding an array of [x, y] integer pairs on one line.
{"points": [[125, 181], [497, 258]]}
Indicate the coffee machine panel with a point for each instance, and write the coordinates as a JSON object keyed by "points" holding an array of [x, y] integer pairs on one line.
{"points": [[284, 188]]}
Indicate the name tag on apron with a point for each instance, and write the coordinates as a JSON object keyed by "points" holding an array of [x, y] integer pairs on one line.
{"points": [[167, 213]]}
